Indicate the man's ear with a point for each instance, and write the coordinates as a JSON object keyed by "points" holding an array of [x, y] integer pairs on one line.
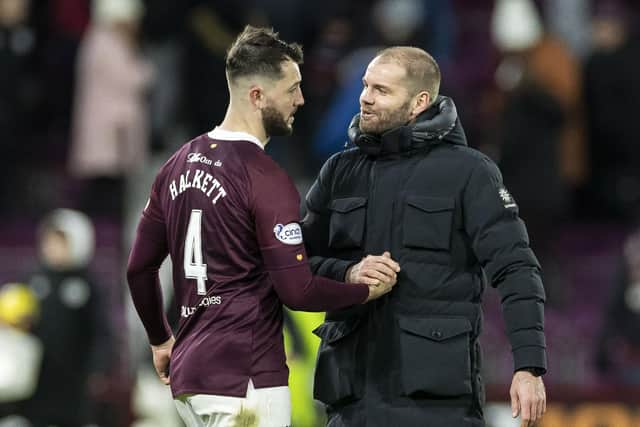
{"points": [[256, 97], [420, 103]]}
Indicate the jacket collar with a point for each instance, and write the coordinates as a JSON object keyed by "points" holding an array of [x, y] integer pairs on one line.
{"points": [[438, 124]]}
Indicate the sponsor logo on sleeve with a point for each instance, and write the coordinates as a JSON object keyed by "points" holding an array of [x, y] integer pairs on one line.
{"points": [[507, 198], [289, 234]]}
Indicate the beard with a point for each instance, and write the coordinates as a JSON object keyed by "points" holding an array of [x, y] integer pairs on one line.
{"points": [[386, 120], [274, 123]]}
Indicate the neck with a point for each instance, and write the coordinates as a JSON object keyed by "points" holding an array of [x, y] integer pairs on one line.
{"points": [[236, 121]]}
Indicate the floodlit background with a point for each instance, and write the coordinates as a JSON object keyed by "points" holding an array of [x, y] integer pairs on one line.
{"points": [[95, 96]]}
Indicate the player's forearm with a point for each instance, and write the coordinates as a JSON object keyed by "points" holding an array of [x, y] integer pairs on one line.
{"points": [[147, 298], [147, 255], [299, 290]]}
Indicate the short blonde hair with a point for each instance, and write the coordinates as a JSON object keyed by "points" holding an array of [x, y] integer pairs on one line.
{"points": [[422, 70]]}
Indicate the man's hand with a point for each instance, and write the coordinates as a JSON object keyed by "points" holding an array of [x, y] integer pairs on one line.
{"points": [[528, 398], [376, 291], [373, 270], [379, 272], [161, 357]]}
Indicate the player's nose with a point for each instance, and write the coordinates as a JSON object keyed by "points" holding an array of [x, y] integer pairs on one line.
{"points": [[299, 101]]}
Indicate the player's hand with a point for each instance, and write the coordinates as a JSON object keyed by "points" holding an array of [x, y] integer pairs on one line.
{"points": [[376, 291], [528, 398], [161, 358], [373, 270]]}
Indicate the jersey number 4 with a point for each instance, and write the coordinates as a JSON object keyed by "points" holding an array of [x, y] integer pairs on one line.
{"points": [[194, 267]]}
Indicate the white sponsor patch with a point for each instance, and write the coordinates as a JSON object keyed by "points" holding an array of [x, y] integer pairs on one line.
{"points": [[290, 234], [198, 158], [506, 197]]}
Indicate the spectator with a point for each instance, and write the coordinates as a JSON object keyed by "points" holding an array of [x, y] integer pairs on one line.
{"points": [[618, 348], [72, 325], [110, 130], [20, 98], [612, 102], [540, 146]]}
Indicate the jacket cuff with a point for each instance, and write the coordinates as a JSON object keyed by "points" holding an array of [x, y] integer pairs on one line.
{"points": [[334, 268], [530, 357]]}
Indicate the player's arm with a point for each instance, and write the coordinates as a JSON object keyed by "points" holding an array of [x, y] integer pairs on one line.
{"points": [[147, 254], [279, 237]]}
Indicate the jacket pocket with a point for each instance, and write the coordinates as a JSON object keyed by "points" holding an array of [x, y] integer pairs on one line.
{"points": [[435, 355], [346, 228], [428, 222], [335, 377]]}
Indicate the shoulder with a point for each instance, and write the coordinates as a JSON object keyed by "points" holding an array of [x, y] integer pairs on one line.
{"points": [[467, 159], [268, 178], [176, 157], [339, 161]]}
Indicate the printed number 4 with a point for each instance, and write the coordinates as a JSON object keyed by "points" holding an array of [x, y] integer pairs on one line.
{"points": [[194, 268]]}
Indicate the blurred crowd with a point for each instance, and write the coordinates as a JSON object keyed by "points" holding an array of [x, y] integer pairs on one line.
{"points": [[94, 94]]}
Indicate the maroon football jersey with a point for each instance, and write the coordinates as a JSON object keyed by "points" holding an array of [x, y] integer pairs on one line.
{"points": [[228, 216]]}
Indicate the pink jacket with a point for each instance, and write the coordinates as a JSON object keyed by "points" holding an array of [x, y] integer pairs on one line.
{"points": [[110, 130]]}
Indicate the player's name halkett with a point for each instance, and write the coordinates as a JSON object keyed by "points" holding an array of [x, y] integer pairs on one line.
{"points": [[200, 180]]}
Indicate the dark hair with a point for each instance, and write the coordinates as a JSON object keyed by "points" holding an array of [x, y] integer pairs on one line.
{"points": [[259, 51]]}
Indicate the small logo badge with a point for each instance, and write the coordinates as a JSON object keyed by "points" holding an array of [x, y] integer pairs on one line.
{"points": [[289, 234], [213, 145], [506, 197], [299, 257]]}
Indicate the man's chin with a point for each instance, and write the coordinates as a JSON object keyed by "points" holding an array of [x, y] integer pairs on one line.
{"points": [[371, 130]]}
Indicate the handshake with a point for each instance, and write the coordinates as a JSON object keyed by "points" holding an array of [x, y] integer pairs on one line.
{"points": [[379, 272]]}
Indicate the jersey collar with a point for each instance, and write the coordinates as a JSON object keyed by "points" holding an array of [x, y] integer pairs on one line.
{"points": [[227, 135]]}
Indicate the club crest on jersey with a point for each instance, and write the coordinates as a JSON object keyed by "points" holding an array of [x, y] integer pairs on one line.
{"points": [[198, 158], [289, 234]]}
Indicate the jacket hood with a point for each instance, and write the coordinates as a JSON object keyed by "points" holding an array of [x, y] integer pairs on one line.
{"points": [[438, 124]]}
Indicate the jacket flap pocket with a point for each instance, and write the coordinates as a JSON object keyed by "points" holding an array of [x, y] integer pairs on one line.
{"points": [[347, 204], [435, 328], [331, 332], [431, 204]]}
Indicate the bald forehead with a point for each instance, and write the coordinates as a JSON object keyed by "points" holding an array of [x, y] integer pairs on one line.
{"points": [[388, 62], [386, 73], [389, 69], [397, 69]]}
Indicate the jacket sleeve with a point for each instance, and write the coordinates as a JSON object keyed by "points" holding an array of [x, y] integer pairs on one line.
{"points": [[315, 226], [501, 244]]}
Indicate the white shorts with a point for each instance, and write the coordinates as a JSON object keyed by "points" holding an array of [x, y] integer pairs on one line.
{"points": [[267, 407]]}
